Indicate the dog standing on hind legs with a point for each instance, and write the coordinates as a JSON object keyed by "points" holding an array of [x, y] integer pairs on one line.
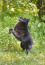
{"points": [[20, 31]]}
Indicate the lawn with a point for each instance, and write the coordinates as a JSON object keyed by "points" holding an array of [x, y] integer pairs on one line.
{"points": [[10, 50]]}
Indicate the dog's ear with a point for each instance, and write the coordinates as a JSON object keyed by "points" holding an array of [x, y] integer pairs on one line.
{"points": [[27, 20], [21, 19]]}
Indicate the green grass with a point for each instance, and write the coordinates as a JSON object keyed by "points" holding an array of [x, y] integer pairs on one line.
{"points": [[10, 50], [35, 57]]}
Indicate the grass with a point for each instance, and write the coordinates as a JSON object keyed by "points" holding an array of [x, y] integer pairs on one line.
{"points": [[10, 50], [36, 57]]}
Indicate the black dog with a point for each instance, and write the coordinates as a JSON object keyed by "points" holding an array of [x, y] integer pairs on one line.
{"points": [[20, 31]]}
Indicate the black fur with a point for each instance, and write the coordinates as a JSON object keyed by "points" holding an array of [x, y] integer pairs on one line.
{"points": [[20, 31]]}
